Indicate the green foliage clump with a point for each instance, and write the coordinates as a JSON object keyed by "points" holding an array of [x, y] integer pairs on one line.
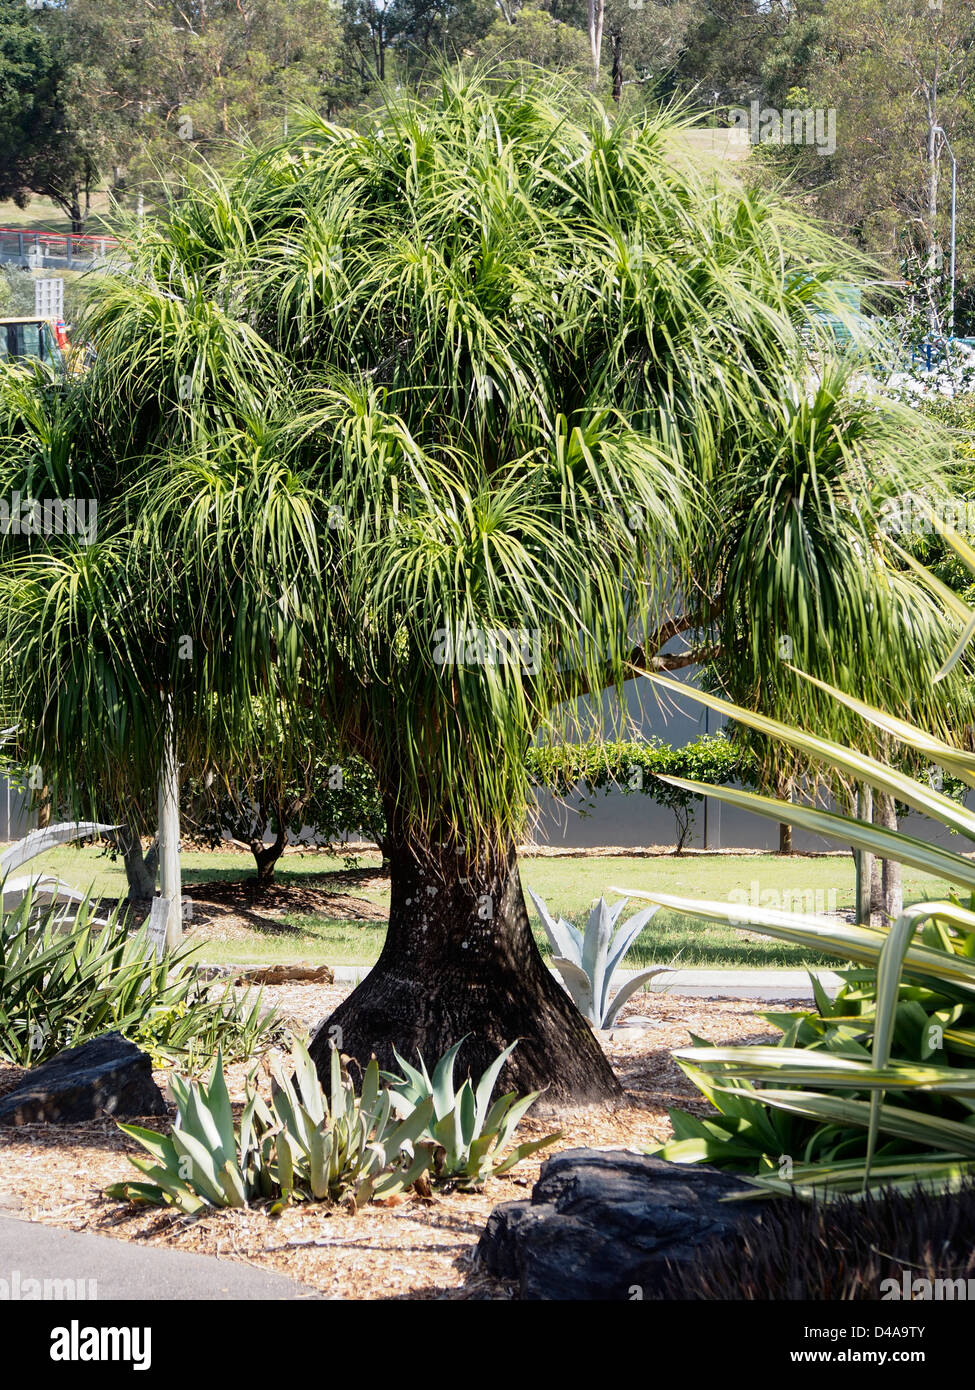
{"points": [[303, 1146], [340, 1147], [768, 1123], [63, 983], [469, 1134], [876, 1088], [588, 960], [640, 766]]}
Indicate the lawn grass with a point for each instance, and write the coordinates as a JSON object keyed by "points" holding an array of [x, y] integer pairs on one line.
{"points": [[568, 885], [43, 215]]}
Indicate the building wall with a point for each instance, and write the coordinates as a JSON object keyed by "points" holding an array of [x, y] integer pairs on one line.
{"points": [[15, 819]]}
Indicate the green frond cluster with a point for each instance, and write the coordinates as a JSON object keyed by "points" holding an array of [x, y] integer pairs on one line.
{"points": [[419, 430]]}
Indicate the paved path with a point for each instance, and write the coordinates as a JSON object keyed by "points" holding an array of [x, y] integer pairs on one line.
{"points": [[102, 1268], [772, 985]]}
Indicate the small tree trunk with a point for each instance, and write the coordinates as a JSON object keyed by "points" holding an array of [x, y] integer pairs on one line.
{"points": [[266, 856], [891, 883], [864, 860], [617, 65], [459, 962], [168, 808], [140, 869], [783, 790], [596, 16]]}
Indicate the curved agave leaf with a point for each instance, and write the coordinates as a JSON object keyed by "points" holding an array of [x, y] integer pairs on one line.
{"points": [[595, 951], [42, 890], [630, 988], [442, 1083], [487, 1083], [39, 841], [578, 984], [563, 937], [621, 943]]}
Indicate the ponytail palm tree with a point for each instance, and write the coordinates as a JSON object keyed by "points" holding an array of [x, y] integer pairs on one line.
{"points": [[427, 430]]}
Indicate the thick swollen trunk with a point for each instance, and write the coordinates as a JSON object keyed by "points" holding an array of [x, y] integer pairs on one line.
{"points": [[460, 961]]}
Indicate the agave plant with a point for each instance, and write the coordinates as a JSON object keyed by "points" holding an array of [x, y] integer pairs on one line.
{"points": [[303, 1146], [470, 1134], [901, 1119], [588, 962], [42, 889]]}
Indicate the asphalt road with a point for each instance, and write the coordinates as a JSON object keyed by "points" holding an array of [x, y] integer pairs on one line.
{"points": [[78, 1265]]}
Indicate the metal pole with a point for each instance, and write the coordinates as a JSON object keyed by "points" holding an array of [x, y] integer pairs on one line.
{"points": [[707, 799]]}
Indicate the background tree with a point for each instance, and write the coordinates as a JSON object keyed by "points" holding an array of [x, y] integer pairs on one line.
{"points": [[53, 134], [533, 35], [894, 73]]}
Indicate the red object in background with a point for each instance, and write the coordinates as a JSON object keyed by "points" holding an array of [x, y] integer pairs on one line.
{"points": [[61, 333]]}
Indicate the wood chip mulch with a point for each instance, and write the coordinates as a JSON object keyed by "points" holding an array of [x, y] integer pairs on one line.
{"points": [[413, 1248]]}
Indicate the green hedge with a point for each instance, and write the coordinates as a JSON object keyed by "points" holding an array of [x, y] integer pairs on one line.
{"points": [[637, 767]]}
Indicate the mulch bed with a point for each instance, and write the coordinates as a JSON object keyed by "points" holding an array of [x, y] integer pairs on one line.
{"points": [[412, 1248]]}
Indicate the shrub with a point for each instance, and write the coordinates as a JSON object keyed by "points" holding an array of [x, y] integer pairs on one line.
{"points": [[304, 1146], [470, 1134], [642, 767], [883, 1095], [587, 962], [338, 1148], [62, 984]]}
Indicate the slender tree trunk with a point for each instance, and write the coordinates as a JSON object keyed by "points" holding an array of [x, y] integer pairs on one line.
{"points": [[597, 11], [886, 892], [932, 228], [617, 65], [265, 855], [460, 961], [876, 918], [864, 860], [783, 790], [891, 885], [168, 809], [140, 869]]}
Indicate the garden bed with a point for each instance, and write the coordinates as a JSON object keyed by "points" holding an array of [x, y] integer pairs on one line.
{"points": [[412, 1248]]}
